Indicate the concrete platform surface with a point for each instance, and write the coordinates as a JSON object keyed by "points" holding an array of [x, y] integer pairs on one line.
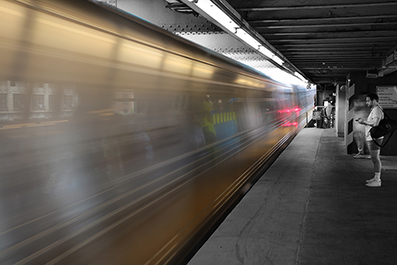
{"points": [[311, 207]]}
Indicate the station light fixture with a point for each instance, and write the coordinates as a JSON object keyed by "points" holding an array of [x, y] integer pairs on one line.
{"points": [[265, 51], [225, 21], [212, 12], [277, 60], [209, 8], [247, 38], [298, 75]]}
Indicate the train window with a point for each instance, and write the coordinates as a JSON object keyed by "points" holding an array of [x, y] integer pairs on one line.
{"points": [[67, 101], [179, 102], [18, 101], [38, 102], [172, 63], [58, 33], [141, 106], [220, 105], [3, 101], [124, 102], [131, 53], [51, 102]]}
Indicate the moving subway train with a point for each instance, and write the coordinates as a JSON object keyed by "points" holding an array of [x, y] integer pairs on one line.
{"points": [[122, 143]]}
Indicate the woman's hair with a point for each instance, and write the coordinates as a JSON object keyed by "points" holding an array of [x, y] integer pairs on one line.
{"points": [[373, 96]]}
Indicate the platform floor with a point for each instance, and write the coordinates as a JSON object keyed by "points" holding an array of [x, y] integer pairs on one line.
{"points": [[311, 207]]}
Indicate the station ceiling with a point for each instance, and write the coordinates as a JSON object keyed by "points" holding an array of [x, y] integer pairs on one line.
{"points": [[324, 39]]}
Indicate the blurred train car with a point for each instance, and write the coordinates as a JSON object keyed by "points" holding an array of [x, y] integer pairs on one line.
{"points": [[122, 143]]}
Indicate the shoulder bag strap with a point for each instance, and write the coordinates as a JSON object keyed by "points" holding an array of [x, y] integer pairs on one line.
{"points": [[391, 134]]}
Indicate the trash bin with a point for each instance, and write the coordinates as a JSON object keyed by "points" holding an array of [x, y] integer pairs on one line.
{"points": [[320, 123], [317, 116]]}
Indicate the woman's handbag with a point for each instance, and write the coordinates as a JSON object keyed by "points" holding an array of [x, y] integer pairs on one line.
{"points": [[385, 127]]}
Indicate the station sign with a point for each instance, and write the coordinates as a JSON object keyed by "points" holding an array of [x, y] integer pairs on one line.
{"points": [[387, 96], [390, 60]]}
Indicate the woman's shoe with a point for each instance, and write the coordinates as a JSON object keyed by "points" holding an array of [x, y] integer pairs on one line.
{"points": [[370, 180], [374, 184], [359, 156]]}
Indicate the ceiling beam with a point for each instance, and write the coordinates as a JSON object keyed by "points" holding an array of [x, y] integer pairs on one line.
{"points": [[291, 8], [380, 44], [312, 33], [322, 40], [322, 19], [330, 52], [328, 25], [303, 50]]}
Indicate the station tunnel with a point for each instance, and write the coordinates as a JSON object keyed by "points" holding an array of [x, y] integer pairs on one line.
{"points": [[134, 132]]}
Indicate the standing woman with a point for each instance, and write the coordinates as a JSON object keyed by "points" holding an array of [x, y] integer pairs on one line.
{"points": [[374, 117]]}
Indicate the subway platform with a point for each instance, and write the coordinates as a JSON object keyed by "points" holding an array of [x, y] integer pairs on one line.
{"points": [[311, 207]]}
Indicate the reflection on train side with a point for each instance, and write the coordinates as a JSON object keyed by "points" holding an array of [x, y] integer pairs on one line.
{"points": [[135, 132], [67, 144]]}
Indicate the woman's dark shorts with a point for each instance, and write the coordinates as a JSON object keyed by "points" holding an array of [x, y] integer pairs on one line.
{"points": [[373, 146]]}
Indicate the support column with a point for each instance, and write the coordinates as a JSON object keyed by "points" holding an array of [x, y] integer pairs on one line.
{"points": [[349, 118], [340, 110]]}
